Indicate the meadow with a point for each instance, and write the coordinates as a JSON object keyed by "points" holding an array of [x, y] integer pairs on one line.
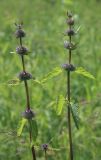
{"points": [[44, 23]]}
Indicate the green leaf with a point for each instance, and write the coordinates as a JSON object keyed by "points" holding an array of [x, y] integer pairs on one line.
{"points": [[33, 129], [74, 111], [83, 72], [21, 126], [60, 104], [13, 82], [38, 82], [55, 72]]}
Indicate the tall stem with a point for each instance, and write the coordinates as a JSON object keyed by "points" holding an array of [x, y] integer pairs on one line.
{"points": [[69, 117], [27, 95], [45, 154], [23, 63], [68, 107], [25, 82], [32, 147], [33, 153], [27, 102]]}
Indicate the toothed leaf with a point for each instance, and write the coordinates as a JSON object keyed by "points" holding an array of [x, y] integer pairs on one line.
{"points": [[33, 129], [74, 111], [83, 72], [13, 82], [55, 72]]}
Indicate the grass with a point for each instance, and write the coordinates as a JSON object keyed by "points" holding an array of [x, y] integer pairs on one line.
{"points": [[44, 22]]}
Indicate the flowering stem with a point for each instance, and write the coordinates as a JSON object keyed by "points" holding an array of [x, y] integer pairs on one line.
{"points": [[25, 82], [26, 90], [69, 115], [69, 95]]}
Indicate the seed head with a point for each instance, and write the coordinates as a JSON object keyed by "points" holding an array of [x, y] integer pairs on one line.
{"points": [[21, 50], [25, 76]]}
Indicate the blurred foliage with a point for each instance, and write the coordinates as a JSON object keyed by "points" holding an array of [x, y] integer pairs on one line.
{"points": [[44, 23]]}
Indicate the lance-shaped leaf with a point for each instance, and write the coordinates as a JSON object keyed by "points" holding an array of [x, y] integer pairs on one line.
{"points": [[14, 82], [74, 111], [55, 72], [33, 129], [21, 126], [82, 71], [60, 104]]}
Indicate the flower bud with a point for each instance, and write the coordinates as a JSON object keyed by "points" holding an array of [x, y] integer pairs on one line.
{"points": [[21, 50], [25, 76]]}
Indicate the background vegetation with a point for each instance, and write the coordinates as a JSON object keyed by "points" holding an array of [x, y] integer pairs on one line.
{"points": [[44, 22]]}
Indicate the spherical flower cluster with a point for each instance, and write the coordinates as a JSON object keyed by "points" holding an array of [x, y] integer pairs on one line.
{"points": [[68, 67], [45, 146], [21, 50], [25, 76], [28, 114]]}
